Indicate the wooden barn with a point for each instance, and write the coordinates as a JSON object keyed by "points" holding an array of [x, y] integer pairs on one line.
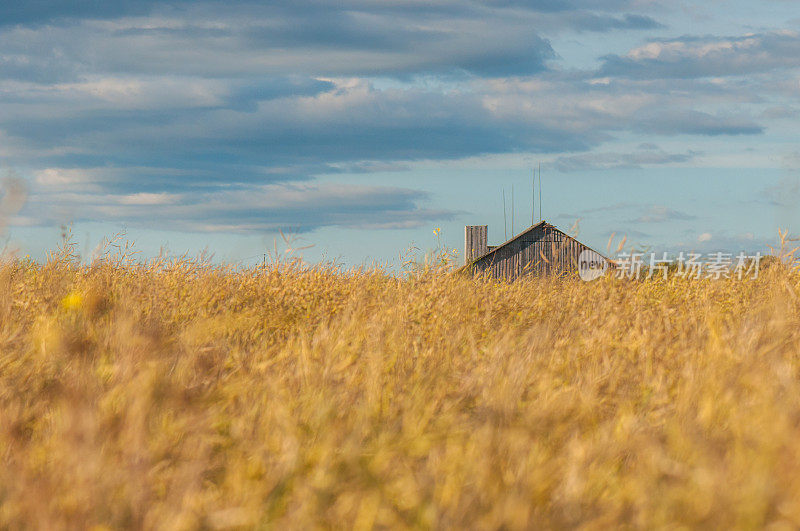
{"points": [[540, 250]]}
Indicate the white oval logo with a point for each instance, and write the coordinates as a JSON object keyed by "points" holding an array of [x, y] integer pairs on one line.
{"points": [[591, 265]]}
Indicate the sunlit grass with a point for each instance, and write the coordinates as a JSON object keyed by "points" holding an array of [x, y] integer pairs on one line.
{"points": [[181, 395]]}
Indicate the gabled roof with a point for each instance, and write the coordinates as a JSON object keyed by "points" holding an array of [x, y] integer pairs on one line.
{"points": [[541, 224], [513, 238]]}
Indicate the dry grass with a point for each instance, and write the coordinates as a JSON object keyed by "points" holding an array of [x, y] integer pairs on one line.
{"points": [[181, 395]]}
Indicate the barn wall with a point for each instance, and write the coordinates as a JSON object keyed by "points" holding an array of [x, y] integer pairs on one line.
{"points": [[475, 239], [543, 251]]}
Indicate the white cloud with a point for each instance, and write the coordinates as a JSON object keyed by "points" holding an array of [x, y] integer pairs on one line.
{"points": [[644, 156], [297, 207], [177, 111], [143, 92], [708, 56], [145, 198]]}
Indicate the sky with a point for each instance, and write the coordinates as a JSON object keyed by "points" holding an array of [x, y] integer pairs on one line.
{"points": [[356, 128]]}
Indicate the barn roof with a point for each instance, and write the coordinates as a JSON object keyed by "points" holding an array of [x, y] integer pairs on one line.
{"points": [[541, 224]]}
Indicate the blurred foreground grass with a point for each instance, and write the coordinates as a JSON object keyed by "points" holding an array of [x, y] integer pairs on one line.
{"points": [[182, 395]]}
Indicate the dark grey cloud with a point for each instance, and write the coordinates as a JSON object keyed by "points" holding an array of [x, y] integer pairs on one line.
{"points": [[281, 139], [37, 12], [588, 21], [276, 41], [214, 38], [340, 30], [43, 11], [246, 95]]}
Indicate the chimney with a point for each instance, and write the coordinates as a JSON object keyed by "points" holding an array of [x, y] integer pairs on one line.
{"points": [[475, 242]]}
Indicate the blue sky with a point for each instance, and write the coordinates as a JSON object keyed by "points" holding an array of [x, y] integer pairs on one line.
{"points": [[359, 126]]}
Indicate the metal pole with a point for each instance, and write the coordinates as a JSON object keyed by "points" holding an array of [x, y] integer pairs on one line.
{"points": [[540, 191], [505, 224]]}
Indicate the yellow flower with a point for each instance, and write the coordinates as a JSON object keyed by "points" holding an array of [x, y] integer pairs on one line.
{"points": [[72, 301]]}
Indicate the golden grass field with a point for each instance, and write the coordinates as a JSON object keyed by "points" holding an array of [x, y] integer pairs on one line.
{"points": [[181, 395]]}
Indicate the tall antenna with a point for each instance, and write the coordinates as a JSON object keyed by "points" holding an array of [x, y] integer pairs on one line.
{"points": [[512, 210], [505, 225], [540, 191], [533, 196]]}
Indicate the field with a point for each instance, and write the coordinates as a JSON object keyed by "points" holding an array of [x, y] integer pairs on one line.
{"points": [[181, 395]]}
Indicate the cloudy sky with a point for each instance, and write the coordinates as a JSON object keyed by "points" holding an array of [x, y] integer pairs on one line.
{"points": [[359, 126]]}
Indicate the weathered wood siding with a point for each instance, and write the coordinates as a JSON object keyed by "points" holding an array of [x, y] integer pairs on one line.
{"points": [[475, 239], [543, 250]]}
